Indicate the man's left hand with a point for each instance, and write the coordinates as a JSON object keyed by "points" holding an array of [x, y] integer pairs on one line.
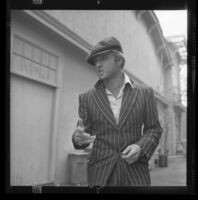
{"points": [[131, 153]]}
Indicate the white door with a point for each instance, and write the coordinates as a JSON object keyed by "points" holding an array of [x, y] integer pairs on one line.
{"points": [[33, 83], [31, 108]]}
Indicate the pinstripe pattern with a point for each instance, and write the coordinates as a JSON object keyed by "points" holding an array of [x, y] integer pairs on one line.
{"points": [[138, 108]]}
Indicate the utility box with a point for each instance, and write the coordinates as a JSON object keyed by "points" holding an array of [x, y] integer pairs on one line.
{"points": [[78, 168], [163, 161]]}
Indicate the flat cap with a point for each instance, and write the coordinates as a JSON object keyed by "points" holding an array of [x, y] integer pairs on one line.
{"points": [[104, 46]]}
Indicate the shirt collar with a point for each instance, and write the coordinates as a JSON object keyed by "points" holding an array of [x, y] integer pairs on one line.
{"points": [[126, 81], [100, 83]]}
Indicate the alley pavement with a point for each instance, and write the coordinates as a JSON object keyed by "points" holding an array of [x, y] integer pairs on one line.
{"points": [[173, 175]]}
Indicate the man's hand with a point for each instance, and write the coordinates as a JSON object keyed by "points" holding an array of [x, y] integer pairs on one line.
{"points": [[80, 136], [131, 153]]}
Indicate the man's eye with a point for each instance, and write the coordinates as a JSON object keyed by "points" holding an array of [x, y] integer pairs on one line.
{"points": [[94, 61], [104, 57]]}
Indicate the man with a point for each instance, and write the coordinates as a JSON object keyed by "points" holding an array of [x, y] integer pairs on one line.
{"points": [[111, 115]]}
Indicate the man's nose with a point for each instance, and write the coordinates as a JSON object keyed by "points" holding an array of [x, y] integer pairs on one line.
{"points": [[98, 65]]}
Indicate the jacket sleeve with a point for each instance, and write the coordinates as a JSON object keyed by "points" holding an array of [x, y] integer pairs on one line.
{"points": [[152, 130], [84, 115]]}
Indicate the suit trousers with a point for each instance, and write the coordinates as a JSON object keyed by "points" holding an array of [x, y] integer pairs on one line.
{"points": [[120, 177]]}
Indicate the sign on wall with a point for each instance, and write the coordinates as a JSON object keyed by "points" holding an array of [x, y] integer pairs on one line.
{"points": [[31, 61]]}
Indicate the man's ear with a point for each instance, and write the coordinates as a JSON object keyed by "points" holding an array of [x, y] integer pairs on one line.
{"points": [[119, 60]]}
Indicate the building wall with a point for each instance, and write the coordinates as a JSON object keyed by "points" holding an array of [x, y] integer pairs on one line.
{"points": [[180, 116], [33, 105], [178, 132], [77, 78], [184, 131], [171, 130], [175, 75], [170, 119], [138, 47], [161, 113]]}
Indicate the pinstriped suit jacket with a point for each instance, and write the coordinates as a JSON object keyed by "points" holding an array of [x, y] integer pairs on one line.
{"points": [[138, 109]]}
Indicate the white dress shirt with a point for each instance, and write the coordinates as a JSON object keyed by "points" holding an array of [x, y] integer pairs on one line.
{"points": [[115, 103]]}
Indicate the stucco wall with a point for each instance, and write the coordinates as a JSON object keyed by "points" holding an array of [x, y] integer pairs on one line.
{"points": [[37, 134], [77, 78], [175, 75], [161, 114], [94, 25], [168, 84], [171, 130]]}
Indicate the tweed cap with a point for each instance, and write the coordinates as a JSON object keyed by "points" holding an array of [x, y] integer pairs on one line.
{"points": [[104, 46]]}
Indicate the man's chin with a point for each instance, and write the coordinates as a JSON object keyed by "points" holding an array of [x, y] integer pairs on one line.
{"points": [[100, 77]]}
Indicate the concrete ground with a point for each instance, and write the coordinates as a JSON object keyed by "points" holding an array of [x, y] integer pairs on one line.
{"points": [[173, 175]]}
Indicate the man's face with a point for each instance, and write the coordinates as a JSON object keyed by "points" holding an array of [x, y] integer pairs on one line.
{"points": [[106, 66]]}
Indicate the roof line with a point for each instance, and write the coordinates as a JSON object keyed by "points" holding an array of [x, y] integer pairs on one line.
{"points": [[154, 29]]}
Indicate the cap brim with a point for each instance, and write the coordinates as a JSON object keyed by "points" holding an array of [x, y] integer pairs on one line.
{"points": [[91, 56]]}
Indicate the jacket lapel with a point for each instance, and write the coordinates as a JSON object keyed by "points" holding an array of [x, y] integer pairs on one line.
{"points": [[103, 104], [128, 100]]}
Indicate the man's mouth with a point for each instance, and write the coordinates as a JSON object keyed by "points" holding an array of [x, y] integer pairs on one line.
{"points": [[100, 72]]}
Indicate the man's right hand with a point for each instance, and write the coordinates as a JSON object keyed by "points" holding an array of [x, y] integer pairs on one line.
{"points": [[80, 136]]}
